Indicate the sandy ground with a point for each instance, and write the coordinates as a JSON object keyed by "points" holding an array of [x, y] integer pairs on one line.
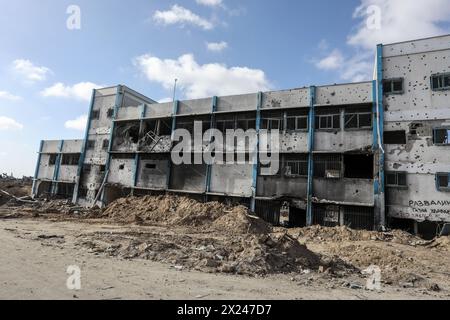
{"points": [[35, 254]]}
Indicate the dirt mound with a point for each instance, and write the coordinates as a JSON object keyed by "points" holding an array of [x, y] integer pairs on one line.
{"points": [[183, 211], [16, 187], [341, 234]]}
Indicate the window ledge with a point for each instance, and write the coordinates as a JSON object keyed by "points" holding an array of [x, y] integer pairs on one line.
{"points": [[397, 187]]}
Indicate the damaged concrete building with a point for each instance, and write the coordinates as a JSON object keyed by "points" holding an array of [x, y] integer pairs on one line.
{"points": [[365, 155]]}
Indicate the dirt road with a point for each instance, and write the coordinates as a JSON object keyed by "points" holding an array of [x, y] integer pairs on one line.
{"points": [[35, 254]]}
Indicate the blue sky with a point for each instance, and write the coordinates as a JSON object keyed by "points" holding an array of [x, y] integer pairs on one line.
{"points": [[212, 46]]}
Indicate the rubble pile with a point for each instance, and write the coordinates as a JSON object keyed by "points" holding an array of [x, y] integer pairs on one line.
{"points": [[211, 237], [250, 255], [182, 211], [340, 234], [12, 187]]}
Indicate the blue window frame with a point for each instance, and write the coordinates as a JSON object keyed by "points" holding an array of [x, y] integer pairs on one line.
{"points": [[441, 136], [440, 82]]}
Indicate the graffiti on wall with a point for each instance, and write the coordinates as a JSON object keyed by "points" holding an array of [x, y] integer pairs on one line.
{"points": [[431, 210]]}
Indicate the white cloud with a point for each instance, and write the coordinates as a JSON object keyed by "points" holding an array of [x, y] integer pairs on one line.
{"points": [[80, 91], [9, 96], [77, 124], [165, 100], [332, 62], [179, 15], [30, 72], [216, 46], [199, 81], [9, 124], [210, 3], [401, 20]]}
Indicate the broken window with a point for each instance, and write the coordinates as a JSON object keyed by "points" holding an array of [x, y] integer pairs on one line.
{"points": [[90, 144], [82, 192], [246, 124], [328, 122], [102, 169], [95, 115], [272, 121], [443, 181], [150, 166], [328, 166], [441, 136], [271, 124], [224, 125], [393, 86], [360, 118], [326, 215], [395, 137], [396, 179], [105, 144], [110, 113], [440, 81], [165, 127], [297, 123], [87, 168], [358, 166], [296, 168], [52, 159], [70, 159], [126, 135], [414, 129]]}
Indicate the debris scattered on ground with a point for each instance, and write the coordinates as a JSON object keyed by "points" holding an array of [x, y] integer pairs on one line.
{"points": [[251, 254], [214, 237], [339, 234]]}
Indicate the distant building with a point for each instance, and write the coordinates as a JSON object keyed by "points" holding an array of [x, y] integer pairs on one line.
{"points": [[365, 154]]}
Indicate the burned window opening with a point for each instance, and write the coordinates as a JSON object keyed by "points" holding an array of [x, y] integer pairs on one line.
{"points": [[359, 218], [296, 166], [414, 130], [87, 168], [95, 115], [395, 137], [52, 159], [328, 166], [65, 190], [358, 166], [326, 215], [82, 192], [90, 145], [105, 144], [150, 166], [126, 134], [165, 128], [110, 113], [71, 159]]}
